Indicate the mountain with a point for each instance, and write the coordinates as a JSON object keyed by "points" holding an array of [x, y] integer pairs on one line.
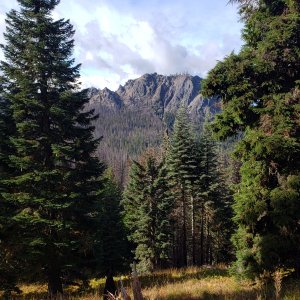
{"points": [[135, 116]]}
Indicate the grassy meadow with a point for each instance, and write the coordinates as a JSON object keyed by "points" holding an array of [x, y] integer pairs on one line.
{"points": [[185, 284]]}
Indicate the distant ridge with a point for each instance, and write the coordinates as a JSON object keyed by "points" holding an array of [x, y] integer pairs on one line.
{"points": [[135, 116], [163, 94]]}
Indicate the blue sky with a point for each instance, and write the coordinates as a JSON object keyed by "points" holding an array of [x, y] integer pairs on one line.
{"points": [[117, 40]]}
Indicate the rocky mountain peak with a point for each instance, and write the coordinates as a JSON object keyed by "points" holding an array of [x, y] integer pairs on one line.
{"points": [[135, 116], [159, 93]]}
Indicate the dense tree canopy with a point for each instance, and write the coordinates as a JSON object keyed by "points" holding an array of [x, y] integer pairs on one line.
{"points": [[260, 90], [53, 189], [147, 205]]}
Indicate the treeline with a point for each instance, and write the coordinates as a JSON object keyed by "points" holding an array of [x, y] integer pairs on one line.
{"points": [[177, 205]]}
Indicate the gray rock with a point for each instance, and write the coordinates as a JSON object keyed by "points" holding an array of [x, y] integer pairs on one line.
{"points": [[161, 94]]}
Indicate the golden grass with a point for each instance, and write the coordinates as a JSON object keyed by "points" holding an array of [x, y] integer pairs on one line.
{"points": [[193, 289], [197, 283], [177, 284]]}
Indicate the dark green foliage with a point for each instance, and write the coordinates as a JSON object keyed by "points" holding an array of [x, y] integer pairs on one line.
{"points": [[260, 91], [8, 265], [182, 167], [53, 190], [214, 202], [201, 215], [147, 206], [181, 160], [7, 128], [111, 249]]}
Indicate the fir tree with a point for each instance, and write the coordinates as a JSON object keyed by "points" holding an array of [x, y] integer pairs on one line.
{"points": [[215, 204], [54, 186], [182, 165], [112, 246], [147, 207], [8, 264], [260, 91]]}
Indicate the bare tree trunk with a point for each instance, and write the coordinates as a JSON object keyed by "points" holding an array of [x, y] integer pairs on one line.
{"points": [[184, 231], [208, 249], [202, 235], [124, 294], [54, 282], [193, 231], [136, 285]]}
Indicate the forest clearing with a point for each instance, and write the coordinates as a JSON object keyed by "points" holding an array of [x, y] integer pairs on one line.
{"points": [[196, 172], [191, 283]]}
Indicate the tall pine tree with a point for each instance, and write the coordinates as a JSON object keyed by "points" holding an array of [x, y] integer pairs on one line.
{"points": [[215, 202], [8, 263], [260, 91], [147, 208], [56, 175], [111, 248], [182, 168]]}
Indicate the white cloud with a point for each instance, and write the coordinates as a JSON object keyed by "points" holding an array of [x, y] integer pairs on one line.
{"points": [[100, 81], [120, 39]]}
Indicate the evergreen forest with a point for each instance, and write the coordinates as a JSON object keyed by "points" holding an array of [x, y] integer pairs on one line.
{"points": [[223, 192]]}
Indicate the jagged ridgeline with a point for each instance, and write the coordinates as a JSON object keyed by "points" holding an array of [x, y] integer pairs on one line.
{"points": [[135, 116]]}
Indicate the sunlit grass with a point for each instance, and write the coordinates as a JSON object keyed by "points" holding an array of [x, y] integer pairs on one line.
{"points": [[192, 289], [197, 283], [175, 284]]}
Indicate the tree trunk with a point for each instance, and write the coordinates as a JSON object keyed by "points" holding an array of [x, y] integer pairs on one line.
{"points": [[184, 233], [208, 248], [193, 232], [202, 236], [54, 282], [136, 285]]}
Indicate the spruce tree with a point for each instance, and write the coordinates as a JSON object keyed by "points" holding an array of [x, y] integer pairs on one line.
{"points": [[56, 175], [215, 202], [8, 263], [112, 246], [182, 165], [260, 91], [147, 207]]}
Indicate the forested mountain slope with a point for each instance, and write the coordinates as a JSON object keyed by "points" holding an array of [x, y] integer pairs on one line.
{"points": [[135, 116]]}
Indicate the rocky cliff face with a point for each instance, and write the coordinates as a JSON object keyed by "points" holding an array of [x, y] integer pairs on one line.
{"points": [[163, 95]]}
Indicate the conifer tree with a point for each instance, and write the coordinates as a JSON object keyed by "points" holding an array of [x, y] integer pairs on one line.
{"points": [[215, 204], [260, 91], [147, 207], [112, 246], [8, 265], [182, 165], [56, 175]]}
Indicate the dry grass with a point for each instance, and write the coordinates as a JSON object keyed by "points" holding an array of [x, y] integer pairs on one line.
{"points": [[197, 283], [184, 284], [215, 288]]}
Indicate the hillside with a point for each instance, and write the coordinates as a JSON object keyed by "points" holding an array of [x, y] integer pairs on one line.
{"points": [[135, 116]]}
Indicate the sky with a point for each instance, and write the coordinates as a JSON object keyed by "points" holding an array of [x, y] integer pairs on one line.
{"points": [[117, 40]]}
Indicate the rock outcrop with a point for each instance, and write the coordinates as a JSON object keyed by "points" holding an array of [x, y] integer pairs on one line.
{"points": [[161, 94]]}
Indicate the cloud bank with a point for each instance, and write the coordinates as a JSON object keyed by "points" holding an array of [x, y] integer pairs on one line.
{"points": [[117, 40]]}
